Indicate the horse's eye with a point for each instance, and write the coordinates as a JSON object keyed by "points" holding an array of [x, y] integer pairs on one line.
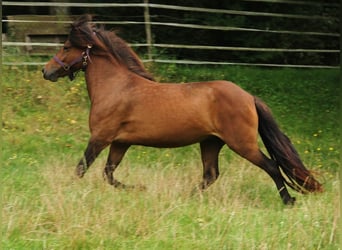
{"points": [[65, 48]]}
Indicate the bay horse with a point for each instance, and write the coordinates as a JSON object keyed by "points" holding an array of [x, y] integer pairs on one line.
{"points": [[129, 108]]}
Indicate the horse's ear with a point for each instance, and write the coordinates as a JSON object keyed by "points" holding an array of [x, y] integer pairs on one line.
{"points": [[80, 21], [85, 18]]}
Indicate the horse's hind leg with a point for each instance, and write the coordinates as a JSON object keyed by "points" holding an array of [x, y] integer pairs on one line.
{"points": [[116, 153], [272, 169], [210, 149], [90, 154], [254, 155]]}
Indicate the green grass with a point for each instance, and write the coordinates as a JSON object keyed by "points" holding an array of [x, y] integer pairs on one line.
{"points": [[46, 207]]}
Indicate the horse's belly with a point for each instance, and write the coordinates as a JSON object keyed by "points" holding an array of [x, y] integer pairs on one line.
{"points": [[169, 135]]}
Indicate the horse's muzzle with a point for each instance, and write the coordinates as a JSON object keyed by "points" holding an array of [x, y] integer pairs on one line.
{"points": [[51, 76]]}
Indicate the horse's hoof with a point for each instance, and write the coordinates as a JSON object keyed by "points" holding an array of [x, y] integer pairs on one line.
{"points": [[291, 201], [80, 171]]}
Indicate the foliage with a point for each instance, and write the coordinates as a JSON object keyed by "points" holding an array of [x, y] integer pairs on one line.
{"points": [[45, 207], [176, 35], [179, 35]]}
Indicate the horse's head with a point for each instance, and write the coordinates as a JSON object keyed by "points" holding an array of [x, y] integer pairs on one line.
{"points": [[83, 38], [66, 62]]}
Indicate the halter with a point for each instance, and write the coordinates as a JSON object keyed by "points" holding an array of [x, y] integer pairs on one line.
{"points": [[84, 57]]}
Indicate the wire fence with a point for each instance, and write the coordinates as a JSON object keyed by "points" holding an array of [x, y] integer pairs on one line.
{"points": [[151, 46]]}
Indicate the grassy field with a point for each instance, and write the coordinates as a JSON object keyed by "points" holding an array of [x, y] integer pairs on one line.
{"points": [[44, 206]]}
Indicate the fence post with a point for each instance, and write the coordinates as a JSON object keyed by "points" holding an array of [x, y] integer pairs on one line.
{"points": [[148, 30]]}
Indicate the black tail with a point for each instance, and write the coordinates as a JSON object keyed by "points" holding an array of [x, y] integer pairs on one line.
{"points": [[283, 152]]}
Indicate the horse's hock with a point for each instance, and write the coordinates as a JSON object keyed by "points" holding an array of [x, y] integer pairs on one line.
{"points": [[37, 29]]}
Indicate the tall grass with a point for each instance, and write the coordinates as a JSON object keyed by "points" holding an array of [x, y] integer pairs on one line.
{"points": [[46, 207], [241, 211]]}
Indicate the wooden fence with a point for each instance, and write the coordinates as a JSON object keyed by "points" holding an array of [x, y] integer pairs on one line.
{"points": [[151, 46]]}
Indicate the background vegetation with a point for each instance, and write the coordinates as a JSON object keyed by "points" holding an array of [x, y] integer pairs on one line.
{"points": [[328, 10], [46, 207]]}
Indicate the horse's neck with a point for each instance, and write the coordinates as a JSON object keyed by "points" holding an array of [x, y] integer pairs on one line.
{"points": [[107, 77], [100, 73], [98, 65]]}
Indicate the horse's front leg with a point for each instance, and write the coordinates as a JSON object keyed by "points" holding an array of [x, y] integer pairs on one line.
{"points": [[116, 153], [94, 148]]}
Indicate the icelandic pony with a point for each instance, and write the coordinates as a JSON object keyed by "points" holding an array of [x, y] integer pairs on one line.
{"points": [[129, 108]]}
